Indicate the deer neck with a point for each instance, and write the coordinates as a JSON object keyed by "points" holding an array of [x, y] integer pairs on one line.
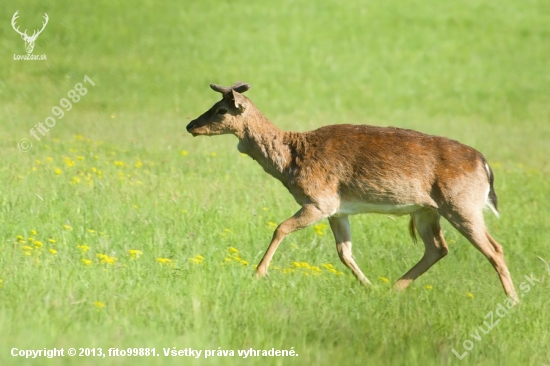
{"points": [[265, 143]]}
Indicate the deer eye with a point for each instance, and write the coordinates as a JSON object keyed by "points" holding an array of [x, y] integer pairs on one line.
{"points": [[221, 111]]}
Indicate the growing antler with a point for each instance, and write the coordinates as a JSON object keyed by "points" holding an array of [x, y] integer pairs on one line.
{"points": [[238, 87]]}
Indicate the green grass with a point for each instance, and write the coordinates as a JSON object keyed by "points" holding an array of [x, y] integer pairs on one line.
{"points": [[120, 173]]}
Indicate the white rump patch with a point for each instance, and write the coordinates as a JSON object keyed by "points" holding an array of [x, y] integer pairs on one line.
{"points": [[488, 202]]}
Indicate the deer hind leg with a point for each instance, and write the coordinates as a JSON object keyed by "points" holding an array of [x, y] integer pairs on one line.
{"points": [[426, 222], [473, 228], [306, 216], [342, 234]]}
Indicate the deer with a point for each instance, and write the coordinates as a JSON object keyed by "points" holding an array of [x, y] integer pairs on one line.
{"points": [[29, 40], [340, 170]]}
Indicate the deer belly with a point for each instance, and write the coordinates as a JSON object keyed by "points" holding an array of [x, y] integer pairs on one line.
{"points": [[358, 207]]}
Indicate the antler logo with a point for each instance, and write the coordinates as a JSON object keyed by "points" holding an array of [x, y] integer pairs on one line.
{"points": [[29, 40]]}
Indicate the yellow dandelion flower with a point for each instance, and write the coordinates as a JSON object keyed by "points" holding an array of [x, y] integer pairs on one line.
{"points": [[213, 154], [105, 259], [233, 250], [68, 161], [78, 137], [1, 283], [384, 279], [80, 157], [134, 253], [197, 259], [53, 251], [58, 171], [119, 163], [164, 260], [75, 180], [86, 262], [225, 232], [91, 231], [67, 227], [138, 164], [26, 248], [49, 159], [320, 229], [83, 248], [19, 238], [37, 244], [52, 240], [33, 232], [27, 253], [272, 224], [470, 295], [184, 153], [99, 305], [428, 287]]}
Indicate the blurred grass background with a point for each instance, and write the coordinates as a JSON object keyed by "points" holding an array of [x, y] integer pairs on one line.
{"points": [[476, 71], [427, 65]]}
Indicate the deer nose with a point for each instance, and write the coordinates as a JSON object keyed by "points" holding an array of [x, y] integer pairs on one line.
{"points": [[191, 125]]}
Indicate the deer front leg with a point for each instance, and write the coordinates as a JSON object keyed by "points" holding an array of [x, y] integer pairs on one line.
{"points": [[306, 216]]}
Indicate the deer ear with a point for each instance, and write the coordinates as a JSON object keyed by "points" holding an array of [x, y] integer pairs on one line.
{"points": [[239, 100]]}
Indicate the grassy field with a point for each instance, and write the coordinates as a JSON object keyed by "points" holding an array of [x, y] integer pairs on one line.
{"points": [[119, 230]]}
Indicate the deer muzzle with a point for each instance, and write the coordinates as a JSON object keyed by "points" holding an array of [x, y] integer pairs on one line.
{"points": [[193, 124]]}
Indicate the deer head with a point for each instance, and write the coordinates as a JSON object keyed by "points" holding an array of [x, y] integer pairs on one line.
{"points": [[224, 116], [29, 40]]}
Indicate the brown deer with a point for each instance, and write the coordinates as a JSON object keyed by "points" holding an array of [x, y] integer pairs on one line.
{"points": [[341, 170]]}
